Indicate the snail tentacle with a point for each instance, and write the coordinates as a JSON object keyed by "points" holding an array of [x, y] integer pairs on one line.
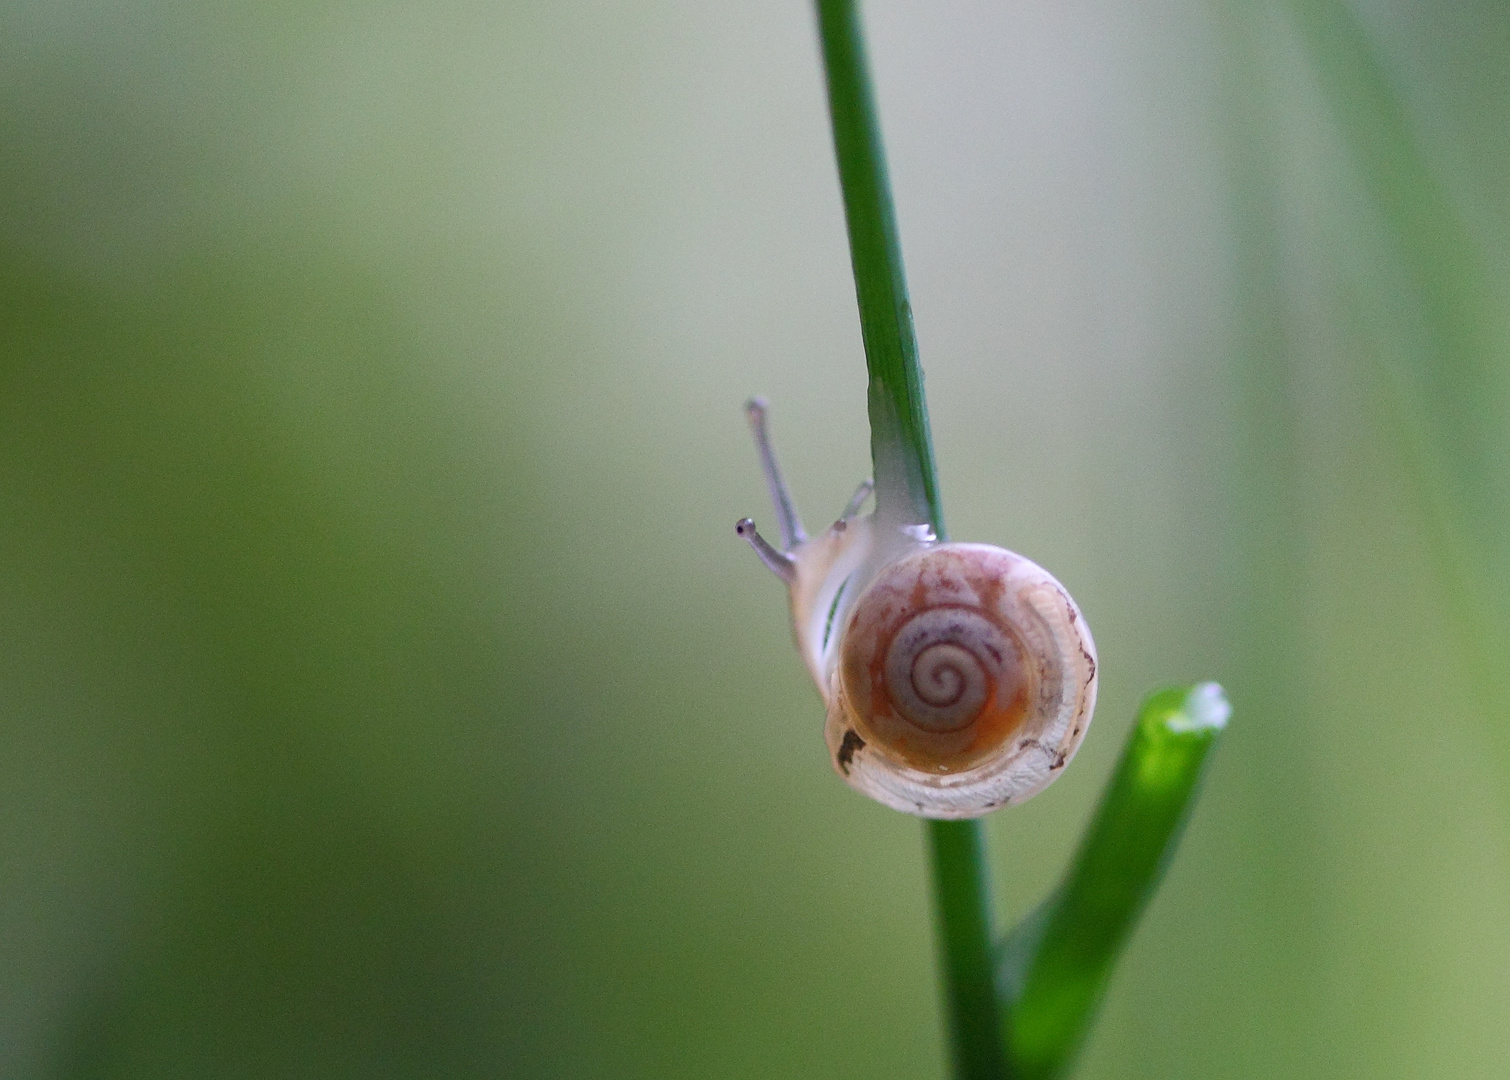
{"points": [[779, 563], [787, 519], [857, 500]]}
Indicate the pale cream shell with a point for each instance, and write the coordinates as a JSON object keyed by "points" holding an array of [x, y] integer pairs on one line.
{"points": [[1061, 658]]}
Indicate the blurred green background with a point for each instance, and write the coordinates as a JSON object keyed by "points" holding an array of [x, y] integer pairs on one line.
{"points": [[383, 691]]}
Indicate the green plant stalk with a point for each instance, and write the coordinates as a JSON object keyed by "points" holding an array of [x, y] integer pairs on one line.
{"points": [[962, 903], [902, 453], [1054, 966], [1025, 1013], [900, 442]]}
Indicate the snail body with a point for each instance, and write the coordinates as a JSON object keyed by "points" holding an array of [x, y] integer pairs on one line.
{"points": [[957, 678]]}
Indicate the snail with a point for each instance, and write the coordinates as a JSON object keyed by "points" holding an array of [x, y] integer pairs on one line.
{"points": [[957, 678]]}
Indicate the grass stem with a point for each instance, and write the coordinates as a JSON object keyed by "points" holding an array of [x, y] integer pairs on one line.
{"points": [[902, 451]]}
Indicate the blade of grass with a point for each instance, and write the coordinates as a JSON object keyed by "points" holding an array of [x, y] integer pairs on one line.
{"points": [[902, 453], [1056, 963], [963, 911], [1054, 966], [900, 441]]}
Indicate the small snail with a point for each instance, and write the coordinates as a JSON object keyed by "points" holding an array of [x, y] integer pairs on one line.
{"points": [[958, 678]]}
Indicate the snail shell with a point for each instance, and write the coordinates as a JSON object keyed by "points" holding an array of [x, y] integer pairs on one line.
{"points": [[958, 678], [963, 680]]}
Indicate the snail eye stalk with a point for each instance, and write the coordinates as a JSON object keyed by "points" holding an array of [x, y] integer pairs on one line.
{"points": [[787, 520], [780, 563]]}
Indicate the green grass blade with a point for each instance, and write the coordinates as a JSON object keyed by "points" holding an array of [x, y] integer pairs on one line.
{"points": [[901, 444], [962, 901], [1065, 952], [1054, 966], [907, 488]]}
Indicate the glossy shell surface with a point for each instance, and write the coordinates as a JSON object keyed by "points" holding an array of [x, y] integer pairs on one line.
{"points": [[962, 679]]}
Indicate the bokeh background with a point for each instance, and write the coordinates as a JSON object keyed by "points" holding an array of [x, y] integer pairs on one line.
{"points": [[383, 691]]}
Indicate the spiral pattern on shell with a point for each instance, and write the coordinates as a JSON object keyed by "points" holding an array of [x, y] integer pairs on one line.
{"points": [[964, 680], [943, 666]]}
